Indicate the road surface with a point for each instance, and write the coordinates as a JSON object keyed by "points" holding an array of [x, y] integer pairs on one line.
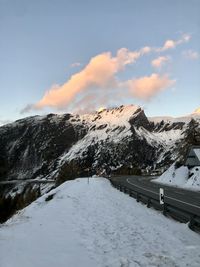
{"points": [[181, 198]]}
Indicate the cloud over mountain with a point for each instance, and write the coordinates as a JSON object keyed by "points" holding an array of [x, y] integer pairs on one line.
{"points": [[147, 86], [99, 81]]}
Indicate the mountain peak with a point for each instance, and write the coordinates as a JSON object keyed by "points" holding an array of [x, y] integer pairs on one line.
{"points": [[121, 109], [114, 116]]}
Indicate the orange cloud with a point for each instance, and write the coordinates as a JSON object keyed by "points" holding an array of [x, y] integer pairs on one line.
{"points": [[159, 62], [147, 86], [100, 72], [125, 57], [170, 44]]}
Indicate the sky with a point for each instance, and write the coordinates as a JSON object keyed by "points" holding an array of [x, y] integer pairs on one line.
{"points": [[77, 56]]}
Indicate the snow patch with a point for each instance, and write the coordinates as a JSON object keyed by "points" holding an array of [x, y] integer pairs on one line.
{"points": [[194, 180], [181, 177]]}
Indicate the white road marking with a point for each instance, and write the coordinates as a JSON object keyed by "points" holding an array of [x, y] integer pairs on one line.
{"points": [[197, 207], [165, 196], [142, 187]]}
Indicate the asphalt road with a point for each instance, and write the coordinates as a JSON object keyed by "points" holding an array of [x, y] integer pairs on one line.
{"points": [[184, 199]]}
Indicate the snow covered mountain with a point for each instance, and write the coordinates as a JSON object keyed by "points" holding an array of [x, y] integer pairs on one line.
{"points": [[66, 146], [62, 147]]}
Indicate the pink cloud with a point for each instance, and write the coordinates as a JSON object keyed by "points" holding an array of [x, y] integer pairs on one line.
{"points": [[147, 86], [159, 62], [171, 44], [99, 72]]}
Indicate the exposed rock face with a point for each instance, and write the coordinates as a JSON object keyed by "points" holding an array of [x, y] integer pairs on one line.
{"points": [[140, 120], [12, 202], [32, 146]]}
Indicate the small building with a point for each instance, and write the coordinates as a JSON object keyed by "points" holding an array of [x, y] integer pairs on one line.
{"points": [[193, 157]]}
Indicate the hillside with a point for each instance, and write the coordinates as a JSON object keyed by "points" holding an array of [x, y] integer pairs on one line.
{"points": [[123, 138]]}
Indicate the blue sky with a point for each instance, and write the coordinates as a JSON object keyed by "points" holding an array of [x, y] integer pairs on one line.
{"points": [[41, 39]]}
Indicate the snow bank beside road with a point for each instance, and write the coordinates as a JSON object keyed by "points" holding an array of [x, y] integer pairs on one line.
{"points": [[91, 225], [194, 180], [174, 176], [181, 177]]}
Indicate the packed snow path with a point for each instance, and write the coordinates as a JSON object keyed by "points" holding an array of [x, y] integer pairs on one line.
{"points": [[91, 225]]}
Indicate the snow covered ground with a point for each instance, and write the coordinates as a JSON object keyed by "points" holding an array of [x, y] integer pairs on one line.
{"points": [[91, 225], [181, 177]]}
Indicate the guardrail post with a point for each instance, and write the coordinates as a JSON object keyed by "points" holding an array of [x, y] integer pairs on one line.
{"points": [[137, 197], [130, 193], [148, 202], [191, 224], [165, 209]]}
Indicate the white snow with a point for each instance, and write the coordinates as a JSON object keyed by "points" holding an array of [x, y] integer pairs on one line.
{"points": [[166, 138], [194, 180], [174, 176], [181, 177], [115, 128], [113, 117], [185, 119], [91, 225], [197, 152], [110, 124]]}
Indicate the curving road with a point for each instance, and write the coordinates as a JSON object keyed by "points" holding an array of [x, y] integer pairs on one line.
{"points": [[183, 199]]}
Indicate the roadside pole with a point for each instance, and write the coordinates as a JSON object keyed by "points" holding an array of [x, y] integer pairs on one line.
{"points": [[162, 201], [161, 196]]}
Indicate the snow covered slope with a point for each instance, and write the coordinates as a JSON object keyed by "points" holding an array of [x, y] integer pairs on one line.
{"points": [[124, 136], [181, 177], [107, 126], [185, 119], [87, 225]]}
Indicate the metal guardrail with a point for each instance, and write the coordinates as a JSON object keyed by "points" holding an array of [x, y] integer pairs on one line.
{"points": [[171, 208]]}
